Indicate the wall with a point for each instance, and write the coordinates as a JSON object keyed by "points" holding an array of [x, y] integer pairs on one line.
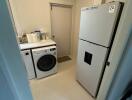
{"points": [[30, 14], [13, 69], [121, 38], [123, 73], [98, 2], [15, 19], [115, 0]]}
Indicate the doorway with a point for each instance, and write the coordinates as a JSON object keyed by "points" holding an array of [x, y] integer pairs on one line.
{"points": [[61, 23]]}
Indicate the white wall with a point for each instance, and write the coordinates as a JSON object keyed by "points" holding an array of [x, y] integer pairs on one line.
{"points": [[30, 14]]}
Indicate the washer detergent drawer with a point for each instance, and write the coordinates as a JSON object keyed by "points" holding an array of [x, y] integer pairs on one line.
{"points": [[26, 54], [90, 63]]}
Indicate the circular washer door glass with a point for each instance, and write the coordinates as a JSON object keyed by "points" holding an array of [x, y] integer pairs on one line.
{"points": [[46, 62]]}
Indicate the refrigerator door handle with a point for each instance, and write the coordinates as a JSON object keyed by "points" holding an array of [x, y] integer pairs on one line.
{"points": [[108, 63]]}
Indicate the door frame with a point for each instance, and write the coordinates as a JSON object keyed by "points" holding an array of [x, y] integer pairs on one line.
{"points": [[72, 23]]}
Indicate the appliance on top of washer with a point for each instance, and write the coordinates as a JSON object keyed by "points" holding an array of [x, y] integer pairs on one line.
{"points": [[45, 60]]}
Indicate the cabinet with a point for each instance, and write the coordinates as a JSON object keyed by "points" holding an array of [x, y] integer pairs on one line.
{"points": [[27, 58]]}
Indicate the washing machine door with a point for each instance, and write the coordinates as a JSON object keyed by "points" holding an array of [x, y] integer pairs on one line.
{"points": [[46, 62]]}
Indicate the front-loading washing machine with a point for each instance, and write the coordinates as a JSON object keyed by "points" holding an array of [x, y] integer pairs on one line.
{"points": [[45, 61]]}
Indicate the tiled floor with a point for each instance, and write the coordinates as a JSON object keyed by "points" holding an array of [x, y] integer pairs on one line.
{"points": [[61, 86]]}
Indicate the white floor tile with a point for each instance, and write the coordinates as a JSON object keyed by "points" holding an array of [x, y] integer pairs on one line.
{"points": [[61, 86]]}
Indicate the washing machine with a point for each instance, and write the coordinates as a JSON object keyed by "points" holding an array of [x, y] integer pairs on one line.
{"points": [[45, 61]]}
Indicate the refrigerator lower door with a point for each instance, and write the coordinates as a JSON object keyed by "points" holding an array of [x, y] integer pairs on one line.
{"points": [[90, 63]]}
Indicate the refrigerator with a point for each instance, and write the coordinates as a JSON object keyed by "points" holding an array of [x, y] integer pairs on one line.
{"points": [[98, 27]]}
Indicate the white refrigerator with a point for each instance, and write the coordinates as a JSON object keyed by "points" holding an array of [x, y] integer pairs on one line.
{"points": [[97, 30]]}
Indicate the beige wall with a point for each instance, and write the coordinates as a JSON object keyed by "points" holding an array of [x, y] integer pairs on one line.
{"points": [[98, 2], [115, 0], [30, 14]]}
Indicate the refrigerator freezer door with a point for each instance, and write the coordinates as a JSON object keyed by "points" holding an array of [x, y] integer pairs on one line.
{"points": [[91, 59], [98, 23]]}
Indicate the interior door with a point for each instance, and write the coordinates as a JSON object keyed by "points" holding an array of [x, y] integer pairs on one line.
{"points": [[61, 18]]}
